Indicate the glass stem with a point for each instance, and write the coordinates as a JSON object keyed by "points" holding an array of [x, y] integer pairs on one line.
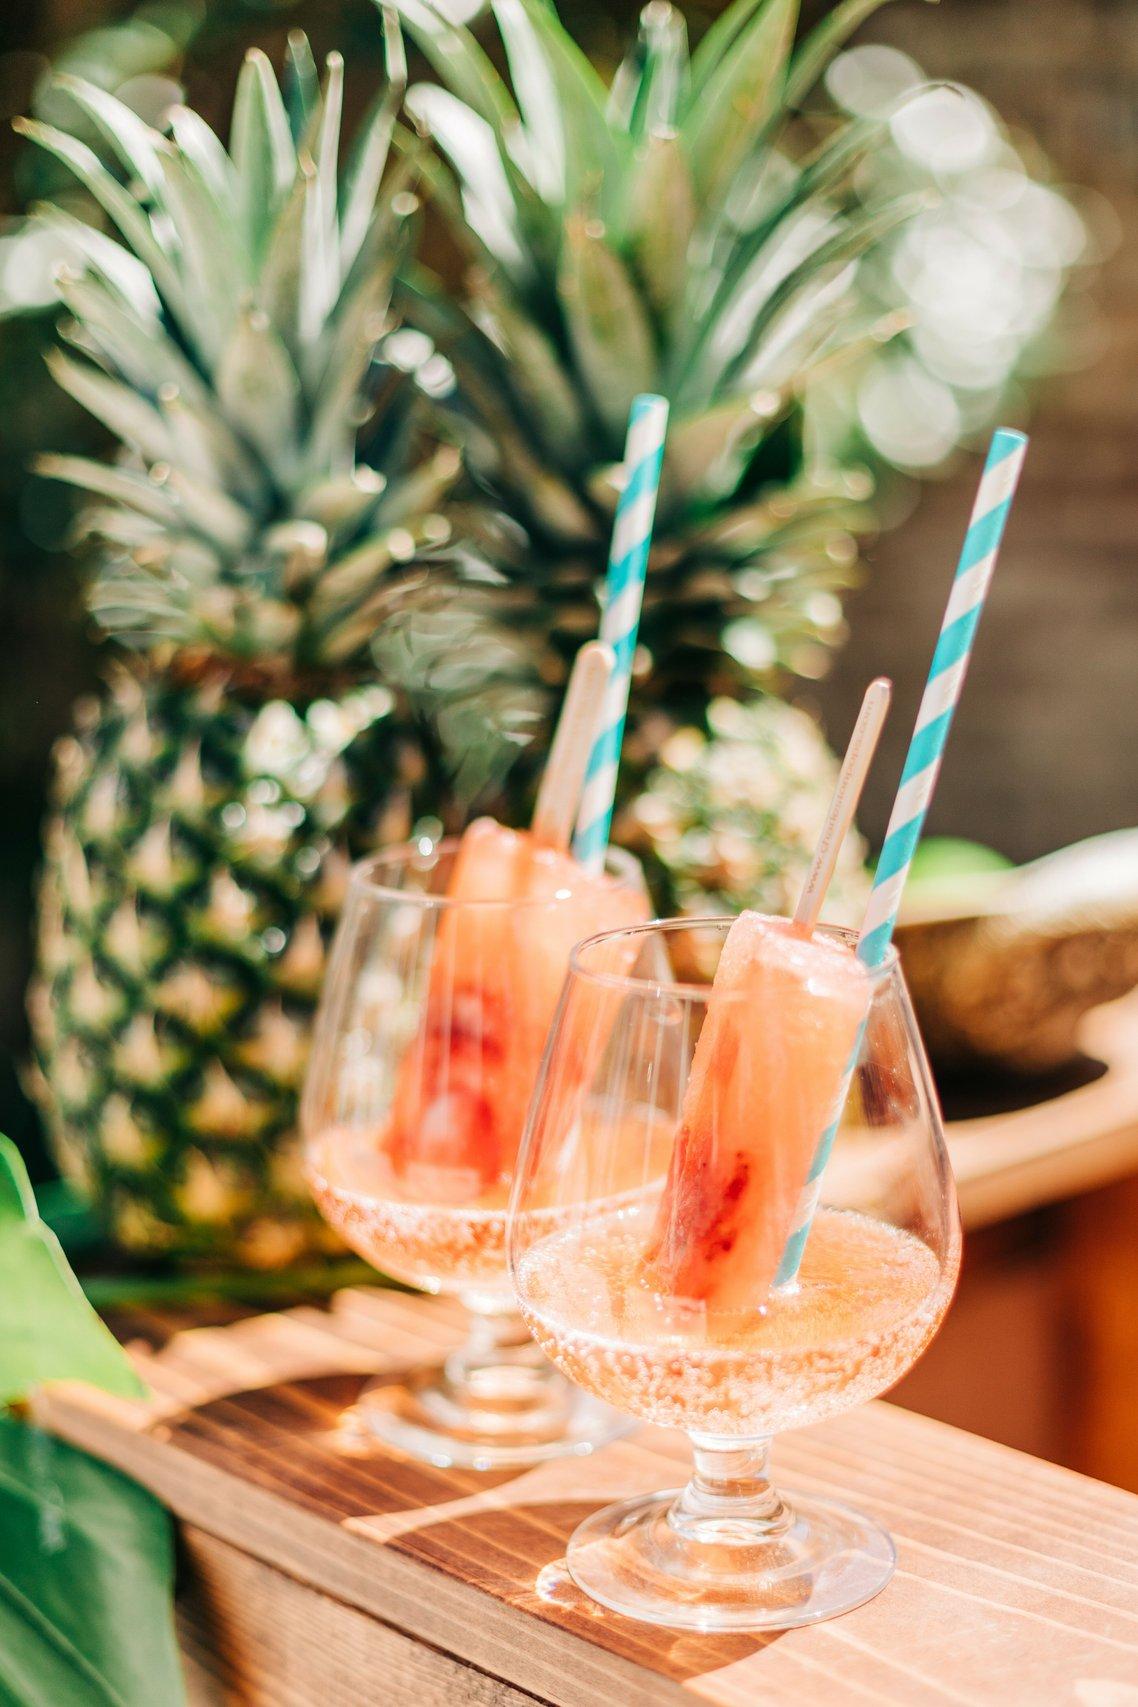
{"points": [[497, 1378], [730, 1489]]}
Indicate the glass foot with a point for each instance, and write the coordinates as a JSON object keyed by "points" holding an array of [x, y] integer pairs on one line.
{"points": [[647, 1559], [495, 1404]]}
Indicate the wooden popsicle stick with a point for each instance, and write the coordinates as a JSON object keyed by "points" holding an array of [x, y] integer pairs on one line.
{"points": [[843, 805], [560, 793]]}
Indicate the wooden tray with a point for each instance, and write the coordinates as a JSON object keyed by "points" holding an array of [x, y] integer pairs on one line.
{"points": [[323, 1573], [1008, 1164]]}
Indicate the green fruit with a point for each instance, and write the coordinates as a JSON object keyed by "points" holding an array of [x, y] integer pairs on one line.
{"points": [[260, 522]]}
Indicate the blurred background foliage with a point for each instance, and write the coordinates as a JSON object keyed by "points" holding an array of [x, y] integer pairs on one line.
{"points": [[983, 274]]}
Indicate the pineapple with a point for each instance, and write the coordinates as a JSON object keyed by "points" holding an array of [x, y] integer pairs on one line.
{"points": [[207, 802], [665, 231]]}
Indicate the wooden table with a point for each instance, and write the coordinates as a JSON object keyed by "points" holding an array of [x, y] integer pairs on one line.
{"points": [[1049, 1196], [323, 1572]]}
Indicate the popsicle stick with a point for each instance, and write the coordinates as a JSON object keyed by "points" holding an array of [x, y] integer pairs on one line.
{"points": [[559, 796], [843, 805]]}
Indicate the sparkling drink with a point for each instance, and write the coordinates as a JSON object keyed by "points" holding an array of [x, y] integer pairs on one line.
{"points": [[867, 1300], [666, 1302], [444, 980]]}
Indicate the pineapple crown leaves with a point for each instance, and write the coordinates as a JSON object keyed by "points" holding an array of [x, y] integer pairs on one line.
{"points": [[653, 234], [227, 335]]}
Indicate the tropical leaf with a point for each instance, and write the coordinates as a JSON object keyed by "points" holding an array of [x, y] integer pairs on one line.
{"points": [[133, 141], [262, 149], [470, 145], [593, 162], [117, 203], [136, 491], [115, 266], [717, 41], [714, 442], [538, 373], [462, 65], [738, 96], [48, 1330], [824, 263], [661, 218], [535, 90], [823, 42], [326, 155], [259, 390], [205, 154], [302, 84], [119, 407], [86, 1556], [817, 178], [610, 335], [211, 255], [663, 87], [364, 175]]}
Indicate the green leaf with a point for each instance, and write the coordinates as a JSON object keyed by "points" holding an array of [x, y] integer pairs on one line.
{"points": [[212, 256], [277, 290], [709, 448], [206, 447], [136, 145], [364, 175], [462, 65], [48, 1331], [208, 158], [115, 201], [137, 346], [537, 374], [823, 264], [832, 164], [326, 154], [661, 219], [823, 43], [592, 157], [110, 262], [86, 1581], [120, 407], [663, 88], [262, 148], [738, 97], [302, 83], [535, 90], [136, 491], [259, 390], [716, 41], [470, 145], [608, 328]]}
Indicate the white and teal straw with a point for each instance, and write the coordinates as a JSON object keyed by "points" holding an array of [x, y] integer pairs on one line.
{"points": [[620, 618], [942, 691], [922, 764]]}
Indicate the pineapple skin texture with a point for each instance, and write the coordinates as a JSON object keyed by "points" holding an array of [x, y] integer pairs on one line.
{"points": [[196, 856]]}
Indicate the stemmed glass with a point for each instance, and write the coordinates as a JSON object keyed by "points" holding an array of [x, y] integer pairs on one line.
{"points": [[427, 1045], [729, 1551]]}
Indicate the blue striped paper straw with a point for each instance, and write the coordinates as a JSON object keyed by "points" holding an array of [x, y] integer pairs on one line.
{"points": [[620, 618], [922, 764]]}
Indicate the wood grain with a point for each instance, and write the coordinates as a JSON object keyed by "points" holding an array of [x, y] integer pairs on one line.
{"points": [[1018, 1582], [265, 1640]]}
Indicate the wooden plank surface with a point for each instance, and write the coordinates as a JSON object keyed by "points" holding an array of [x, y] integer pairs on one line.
{"points": [[1018, 1581], [1009, 1164]]}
